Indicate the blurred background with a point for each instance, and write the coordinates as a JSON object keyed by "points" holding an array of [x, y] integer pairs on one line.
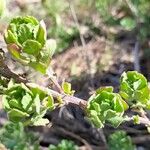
{"points": [[96, 41]]}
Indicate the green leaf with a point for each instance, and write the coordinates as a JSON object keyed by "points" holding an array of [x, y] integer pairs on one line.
{"points": [[15, 103], [66, 87], [25, 32], [107, 88], [109, 114], [128, 23], [134, 88], [118, 105], [15, 115], [95, 119], [37, 103], [51, 47], [41, 122], [31, 19], [136, 119], [96, 107], [49, 102], [10, 37], [105, 106], [5, 102], [26, 101], [32, 47], [14, 50], [120, 141], [41, 34], [39, 67], [116, 121]]}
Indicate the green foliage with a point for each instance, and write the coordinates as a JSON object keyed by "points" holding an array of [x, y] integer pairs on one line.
{"points": [[130, 14], [26, 41], [63, 35], [14, 137], [3, 84], [120, 141], [104, 7], [26, 105], [106, 107], [67, 88], [64, 145], [128, 23], [59, 30], [134, 89]]}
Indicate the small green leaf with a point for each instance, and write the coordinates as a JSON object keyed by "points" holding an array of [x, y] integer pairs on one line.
{"points": [[26, 100], [5, 102], [128, 23], [49, 102], [118, 105], [96, 107], [10, 37], [66, 87], [30, 19], [31, 47], [15, 103], [41, 34], [107, 88], [109, 114], [15, 115], [41, 122], [116, 121], [37, 103], [41, 67], [136, 119], [51, 47], [95, 119]]}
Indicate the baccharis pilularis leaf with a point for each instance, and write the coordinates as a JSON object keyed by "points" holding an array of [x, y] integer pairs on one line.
{"points": [[14, 137], [134, 88], [106, 107], [119, 140], [26, 39], [26, 105]]}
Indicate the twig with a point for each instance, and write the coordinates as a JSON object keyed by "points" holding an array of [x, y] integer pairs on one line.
{"points": [[71, 134], [85, 54], [137, 42], [66, 98], [54, 80], [136, 56], [6, 72]]}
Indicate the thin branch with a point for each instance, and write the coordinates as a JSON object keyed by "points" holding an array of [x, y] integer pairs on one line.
{"points": [[71, 134], [66, 98], [84, 53], [6, 72], [54, 80], [136, 56]]}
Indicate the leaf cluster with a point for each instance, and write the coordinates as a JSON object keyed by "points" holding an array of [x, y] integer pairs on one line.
{"points": [[27, 105], [120, 141], [134, 88], [64, 145], [14, 137], [26, 41], [106, 107]]}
